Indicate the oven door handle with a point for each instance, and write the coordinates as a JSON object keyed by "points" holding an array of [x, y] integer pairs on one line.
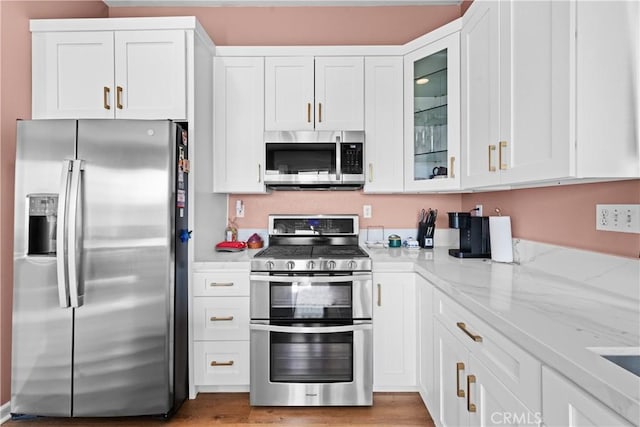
{"points": [[311, 330], [310, 279]]}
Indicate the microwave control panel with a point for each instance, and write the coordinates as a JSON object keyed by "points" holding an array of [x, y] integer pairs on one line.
{"points": [[351, 158]]}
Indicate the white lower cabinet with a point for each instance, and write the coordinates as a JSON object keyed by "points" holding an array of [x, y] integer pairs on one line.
{"points": [[220, 316], [566, 405], [394, 332]]}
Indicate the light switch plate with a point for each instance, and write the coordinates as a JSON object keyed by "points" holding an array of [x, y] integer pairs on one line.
{"points": [[620, 218]]}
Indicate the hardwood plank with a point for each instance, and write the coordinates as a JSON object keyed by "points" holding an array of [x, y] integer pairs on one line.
{"points": [[233, 409]]}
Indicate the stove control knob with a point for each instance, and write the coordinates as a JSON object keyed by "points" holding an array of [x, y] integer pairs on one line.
{"points": [[331, 265], [352, 265], [291, 265], [269, 265], [311, 265]]}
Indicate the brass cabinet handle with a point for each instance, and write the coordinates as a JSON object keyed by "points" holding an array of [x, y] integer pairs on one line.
{"points": [[259, 173], [319, 112], [308, 112], [370, 172], [452, 174], [471, 379], [105, 98], [216, 363], [491, 149], [221, 319], [212, 284], [459, 391], [379, 294], [503, 144], [119, 97], [476, 338]]}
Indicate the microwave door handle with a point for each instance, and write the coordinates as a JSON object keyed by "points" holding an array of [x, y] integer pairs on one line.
{"points": [[61, 258], [311, 330], [76, 299], [338, 159]]}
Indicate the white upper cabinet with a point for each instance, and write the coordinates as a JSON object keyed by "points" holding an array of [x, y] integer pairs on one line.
{"points": [[303, 93], [547, 92], [383, 124], [238, 124], [109, 74], [150, 69], [432, 116]]}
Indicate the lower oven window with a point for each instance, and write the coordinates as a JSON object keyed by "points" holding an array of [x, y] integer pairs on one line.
{"points": [[311, 357]]}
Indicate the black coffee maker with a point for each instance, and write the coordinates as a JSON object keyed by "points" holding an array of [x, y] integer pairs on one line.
{"points": [[474, 235]]}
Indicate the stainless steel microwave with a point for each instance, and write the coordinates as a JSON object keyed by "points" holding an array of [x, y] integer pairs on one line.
{"points": [[314, 159]]}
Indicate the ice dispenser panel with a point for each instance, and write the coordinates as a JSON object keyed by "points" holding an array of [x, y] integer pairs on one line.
{"points": [[43, 210]]}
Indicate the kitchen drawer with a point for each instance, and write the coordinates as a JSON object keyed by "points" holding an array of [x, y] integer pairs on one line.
{"points": [[225, 319], [221, 363], [513, 366], [221, 284]]}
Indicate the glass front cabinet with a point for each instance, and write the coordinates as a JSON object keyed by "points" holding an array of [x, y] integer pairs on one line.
{"points": [[432, 116]]}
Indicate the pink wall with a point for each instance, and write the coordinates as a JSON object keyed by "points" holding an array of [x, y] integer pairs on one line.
{"points": [[390, 211], [255, 26], [15, 81], [564, 215]]}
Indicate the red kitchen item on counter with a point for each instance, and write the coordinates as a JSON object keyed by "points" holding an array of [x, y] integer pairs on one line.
{"points": [[231, 246]]}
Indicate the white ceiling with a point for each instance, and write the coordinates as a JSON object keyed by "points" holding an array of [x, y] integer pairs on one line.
{"points": [[269, 3]]}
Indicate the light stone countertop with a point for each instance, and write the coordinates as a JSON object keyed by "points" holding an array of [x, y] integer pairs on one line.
{"points": [[555, 303]]}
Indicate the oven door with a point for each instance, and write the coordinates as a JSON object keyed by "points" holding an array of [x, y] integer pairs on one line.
{"points": [[311, 296], [310, 365]]}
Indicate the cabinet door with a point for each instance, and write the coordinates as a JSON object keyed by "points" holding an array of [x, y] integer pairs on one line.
{"points": [[566, 405], [383, 124], [150, 73], [452, 368], [339, 93], [394, 332], [432, 116], [535, 62], [490, 403], [238, 116], [288, 93], [480, 95], [73, 75]]}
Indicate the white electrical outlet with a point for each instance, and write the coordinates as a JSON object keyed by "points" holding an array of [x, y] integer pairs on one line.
{"points": [[621, 218], [239, 209], [479, 210], [366, 211]]}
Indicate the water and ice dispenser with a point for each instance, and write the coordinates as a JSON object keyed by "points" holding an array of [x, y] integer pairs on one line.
{"points": [[43, 218]]}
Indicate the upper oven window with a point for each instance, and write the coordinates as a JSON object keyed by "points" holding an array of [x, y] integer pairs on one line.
{"points": [[313, 301], [291, 158]]}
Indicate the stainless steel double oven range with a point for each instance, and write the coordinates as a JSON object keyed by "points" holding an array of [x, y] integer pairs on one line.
{"points": [[311, 307]]}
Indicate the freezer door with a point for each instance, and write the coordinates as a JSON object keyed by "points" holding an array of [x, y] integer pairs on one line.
{"points": [[42, 330], [122, 330]]}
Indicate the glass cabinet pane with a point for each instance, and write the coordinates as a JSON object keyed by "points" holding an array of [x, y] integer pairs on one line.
{"points": [[430, 113]]}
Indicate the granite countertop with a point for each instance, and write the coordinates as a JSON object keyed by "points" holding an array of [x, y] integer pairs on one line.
{"points": [[555, 303]]}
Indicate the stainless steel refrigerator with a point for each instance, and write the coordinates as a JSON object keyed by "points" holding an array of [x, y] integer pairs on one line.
{"points": [[100, 268]]}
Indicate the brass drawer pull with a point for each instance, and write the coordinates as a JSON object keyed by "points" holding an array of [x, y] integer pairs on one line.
{"points": [[459, 367], [216, 363], [370, 172], [476, 338], [308, 112], [105, 98], [492, 148], [319, 112], [471, 379], [221, 319], [215, 284], [452, 173]]}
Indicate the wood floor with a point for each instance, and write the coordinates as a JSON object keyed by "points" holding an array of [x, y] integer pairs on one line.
{"points": [[233, 409]]}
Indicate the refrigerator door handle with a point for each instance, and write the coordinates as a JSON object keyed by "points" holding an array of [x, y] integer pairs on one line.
{"points": [[76, 298], [63, 284]]}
